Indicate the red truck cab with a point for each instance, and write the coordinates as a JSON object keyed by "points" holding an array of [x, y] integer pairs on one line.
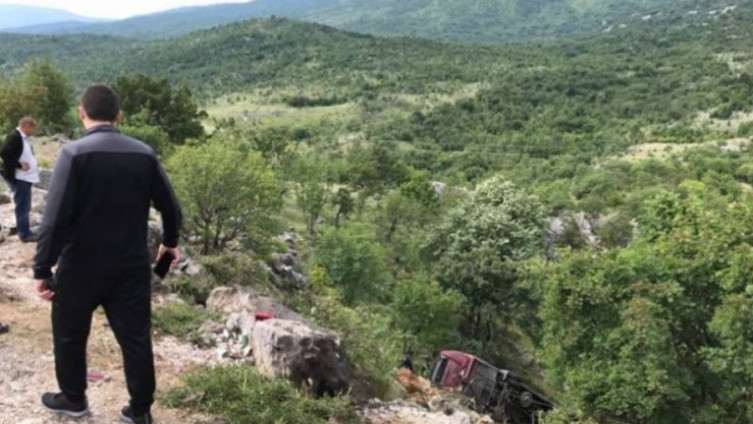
{"points": [[498, 392]]}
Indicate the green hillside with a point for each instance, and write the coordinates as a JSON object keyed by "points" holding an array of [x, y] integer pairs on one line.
{"points": [[593, 228], [482, 21], [492, 21], [270, 52], [589, 95]]}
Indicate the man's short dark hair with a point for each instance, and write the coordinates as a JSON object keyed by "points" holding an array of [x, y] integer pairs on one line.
{"points": [[101, 103]]}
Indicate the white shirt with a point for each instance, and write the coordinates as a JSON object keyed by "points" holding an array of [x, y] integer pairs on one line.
{"points": [[32, 175]]}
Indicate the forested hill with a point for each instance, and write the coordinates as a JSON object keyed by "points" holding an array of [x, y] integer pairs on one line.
{"points": [[588, 96], [484, 21], [425, 178], [273, 51], [256, 53]]}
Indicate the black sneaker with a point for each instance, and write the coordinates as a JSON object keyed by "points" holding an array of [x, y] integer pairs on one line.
{"points": [[59, 404], [126, 415], [29, 239]]}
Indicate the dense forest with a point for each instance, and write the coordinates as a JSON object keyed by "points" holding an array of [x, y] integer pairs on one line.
{"points": [[583, 202]]}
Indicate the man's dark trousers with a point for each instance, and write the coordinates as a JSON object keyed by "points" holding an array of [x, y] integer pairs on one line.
{"points": [[22, 199], [125, 295]]}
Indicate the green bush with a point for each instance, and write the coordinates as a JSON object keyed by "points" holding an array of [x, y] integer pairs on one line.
{"points": [[373, 347], [355, 263], [241, 396], [227, 195], [181, 320], [155, 137], [616, 231], [193, 289], [236, 269], [432, 315]]}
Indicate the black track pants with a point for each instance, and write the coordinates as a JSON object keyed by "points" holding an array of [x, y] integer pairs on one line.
{"points": [[125, 295]]}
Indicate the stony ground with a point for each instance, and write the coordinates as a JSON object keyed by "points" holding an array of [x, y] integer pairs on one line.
{"points": [[26, 360]]}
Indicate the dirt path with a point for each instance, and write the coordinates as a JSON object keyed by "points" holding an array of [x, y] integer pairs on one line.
{"points": [[27, 363]]}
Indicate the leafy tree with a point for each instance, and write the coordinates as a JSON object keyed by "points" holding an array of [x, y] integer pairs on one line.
{"points": [[40, 90], [343, 201], [376, 168], [652, 333], [227, 195], [311, 196], [153, 136], [15, 102], [52, 92], [478, 247], [355, 263], [272, 142], [154, 102], [432, 315]]}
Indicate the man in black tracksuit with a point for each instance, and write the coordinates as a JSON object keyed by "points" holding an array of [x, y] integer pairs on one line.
{"points": [[95, 229]]}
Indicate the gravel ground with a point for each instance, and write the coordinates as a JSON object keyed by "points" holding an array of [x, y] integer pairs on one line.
{"points": [[27, 363]]}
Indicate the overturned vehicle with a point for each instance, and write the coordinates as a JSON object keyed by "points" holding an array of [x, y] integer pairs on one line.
{"points": [[496, 392]]}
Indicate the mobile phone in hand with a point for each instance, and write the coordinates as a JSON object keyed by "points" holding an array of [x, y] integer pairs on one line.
{"points": [[163, 264]]}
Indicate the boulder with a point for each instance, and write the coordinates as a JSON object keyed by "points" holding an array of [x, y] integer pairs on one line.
{"points": [[60, 138], [188, 267], [154, 238], [308, 357], [438, 187], [45, 177], [242, 323], [400, 411], [285, 269], [209, 332], [228, 300]]}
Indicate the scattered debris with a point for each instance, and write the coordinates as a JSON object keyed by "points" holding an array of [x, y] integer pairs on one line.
{"points": [[97, 377]]}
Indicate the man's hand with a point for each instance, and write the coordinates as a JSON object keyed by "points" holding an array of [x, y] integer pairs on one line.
{"points": [[41, 289], [25, 166], [173, 250]]}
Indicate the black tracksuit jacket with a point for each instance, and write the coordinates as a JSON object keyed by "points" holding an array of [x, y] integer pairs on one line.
{"points": [[98, 205]]}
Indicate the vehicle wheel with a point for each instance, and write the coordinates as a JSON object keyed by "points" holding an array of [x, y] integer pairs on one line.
{"points": [[499, 414], [526, 399]]}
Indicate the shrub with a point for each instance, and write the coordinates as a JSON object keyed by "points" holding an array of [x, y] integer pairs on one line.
{"points": [[227, 195], [181, 320], [431, 315], [373, 348], [240, 395]]}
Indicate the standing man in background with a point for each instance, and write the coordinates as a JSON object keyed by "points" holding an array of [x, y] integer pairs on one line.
{"points": [[20, 171], [95, 230]]}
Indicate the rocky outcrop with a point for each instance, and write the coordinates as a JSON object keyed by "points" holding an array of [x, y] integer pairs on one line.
{"points": [[306, 356], [243, 300], [186, 266], [285, 268], [38, 202], [60, 138], [154, 238], [45, 178], [378, 412], [557, 230]]}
